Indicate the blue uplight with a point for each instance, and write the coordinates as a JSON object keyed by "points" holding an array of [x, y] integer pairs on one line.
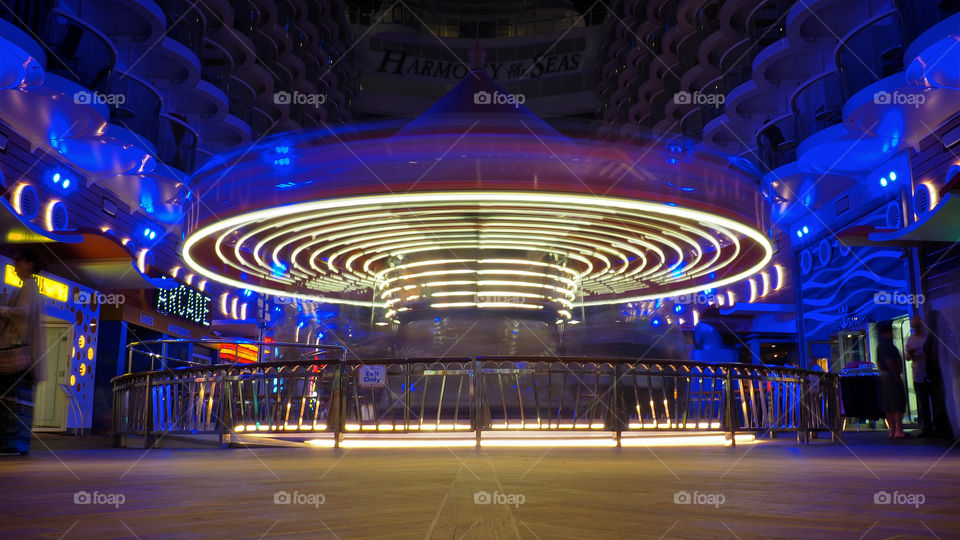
{"points": [[883, 181], [805, 229], [279, 269], [893, 176], [59, 179], [655, 322], [678, 308], [799, 233]]}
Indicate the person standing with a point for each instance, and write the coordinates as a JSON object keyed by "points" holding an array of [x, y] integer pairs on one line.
{"points": [[20, 334], [921, 351], [891, 367]]}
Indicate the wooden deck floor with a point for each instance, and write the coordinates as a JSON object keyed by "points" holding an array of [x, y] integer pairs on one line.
{"points": [[772, 490]]}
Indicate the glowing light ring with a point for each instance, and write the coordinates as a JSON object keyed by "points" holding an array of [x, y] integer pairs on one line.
{"points": [[619, 234]]}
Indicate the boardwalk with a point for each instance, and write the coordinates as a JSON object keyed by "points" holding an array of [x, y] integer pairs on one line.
{"points": [[773, 490]]}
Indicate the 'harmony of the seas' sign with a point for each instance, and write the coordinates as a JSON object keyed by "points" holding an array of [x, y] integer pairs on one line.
{"points": [[403, 73]]}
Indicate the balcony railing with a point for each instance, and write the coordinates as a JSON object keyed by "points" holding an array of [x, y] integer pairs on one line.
{"points": [[817, 105], [177, 143], [139, 110], [77, 51], [870, 54], [318, 391]]}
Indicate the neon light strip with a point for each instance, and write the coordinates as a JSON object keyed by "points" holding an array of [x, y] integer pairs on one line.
{"points": [[512, 197]]}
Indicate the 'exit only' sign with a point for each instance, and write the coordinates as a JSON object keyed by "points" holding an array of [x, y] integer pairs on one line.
{"points": [[373, 376]]}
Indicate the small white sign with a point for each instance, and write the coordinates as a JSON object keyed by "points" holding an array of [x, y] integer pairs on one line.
{"points": [[373, 376]]}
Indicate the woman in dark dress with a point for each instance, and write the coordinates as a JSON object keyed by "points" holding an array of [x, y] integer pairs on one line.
{"points": [[891, 367]]}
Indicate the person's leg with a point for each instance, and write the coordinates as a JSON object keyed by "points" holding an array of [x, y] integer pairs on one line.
{"points": [[898, 419], [891, 424], [9, 422], [922, 390]]}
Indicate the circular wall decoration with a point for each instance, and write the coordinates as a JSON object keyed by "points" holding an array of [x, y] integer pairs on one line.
{"points": [[26, 201], [894, 216], [806, 261], [824, 252], [922, 197], [57, 217]]}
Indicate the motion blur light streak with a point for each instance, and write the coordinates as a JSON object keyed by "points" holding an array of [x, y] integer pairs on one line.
{"points": [[469, 208]]}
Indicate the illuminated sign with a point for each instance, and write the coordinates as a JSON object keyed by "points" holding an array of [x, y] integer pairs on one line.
{"points": [[186, 303], [48, 287], [19, 236], [241, 353]]}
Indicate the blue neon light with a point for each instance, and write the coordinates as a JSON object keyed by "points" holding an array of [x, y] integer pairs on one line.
{"points": [[655, 322], [883, 181], [893, 176], [678, 308], [799, 233], [805, 229], [279, 269]]}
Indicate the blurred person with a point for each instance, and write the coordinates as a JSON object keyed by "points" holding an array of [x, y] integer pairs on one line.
{"points": [[891, 367], [927, 380], [22, 362]]}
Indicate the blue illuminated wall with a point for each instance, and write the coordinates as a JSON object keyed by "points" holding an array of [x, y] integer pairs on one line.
{"points": [[839, 285]]}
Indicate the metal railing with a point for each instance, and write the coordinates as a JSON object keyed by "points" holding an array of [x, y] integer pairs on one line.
{"points": [[473, 395]]}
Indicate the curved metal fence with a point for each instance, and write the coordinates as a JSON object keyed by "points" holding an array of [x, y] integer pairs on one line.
{"points": [[321, 391]]}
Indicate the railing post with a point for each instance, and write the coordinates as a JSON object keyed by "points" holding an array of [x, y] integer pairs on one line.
{"points": [[837, 418], [728, 397], [222, 399], [148, 439], [618, 410], [803, 435], [335, 416], [477, 397]]}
